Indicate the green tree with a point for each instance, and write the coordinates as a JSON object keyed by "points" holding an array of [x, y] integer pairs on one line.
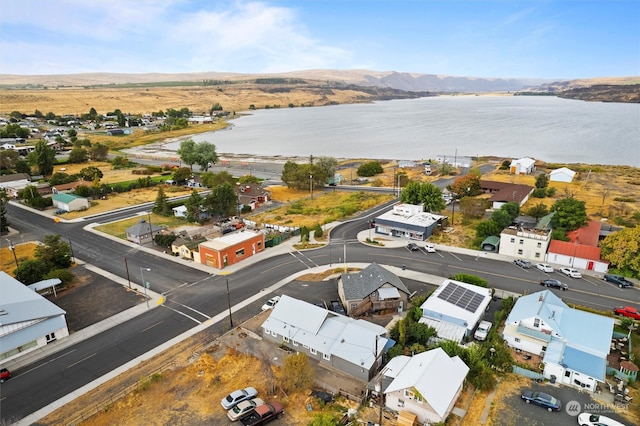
{"points": [[23, 167], [88, 174], [328, 165], [571, 214], [188, 153], [54, 251], [538, 211], [42, 156], [427, 194], [472, 207], [4, 222], [206, 155], [371, 168], [211, 180], [181, 175], [8, 159], [194, 206], [290, 174], [621, 249], [487, 228], [31, 271], [99, 152], [248, 179], [296, 373], [13, 130], [59, 178], [161, 205], [78, 155], [226, 199], [501, 218], [542, 181]]}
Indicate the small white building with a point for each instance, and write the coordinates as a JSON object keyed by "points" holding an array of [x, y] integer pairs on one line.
{"points": [[562, 174], [522, 166], [70, 202], [427, 384]]}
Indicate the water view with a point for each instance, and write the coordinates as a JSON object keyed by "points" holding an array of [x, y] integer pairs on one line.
{"points": [[546, 128]]}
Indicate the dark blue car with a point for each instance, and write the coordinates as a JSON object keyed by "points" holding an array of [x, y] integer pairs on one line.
{"points": [[542, 399]]}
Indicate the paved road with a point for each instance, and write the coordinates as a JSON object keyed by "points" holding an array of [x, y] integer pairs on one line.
{"points": [[195, 296]]}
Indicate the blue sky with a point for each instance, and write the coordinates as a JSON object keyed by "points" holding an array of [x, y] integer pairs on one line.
{"points": [[508, 38]]}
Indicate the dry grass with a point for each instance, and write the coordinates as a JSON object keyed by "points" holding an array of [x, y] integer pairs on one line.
{"points": [[146, 100], [22, 252]]}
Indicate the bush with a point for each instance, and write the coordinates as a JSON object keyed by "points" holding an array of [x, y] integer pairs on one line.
{"points": [[471, 279], [63, 275], [371, 168], [539, 192]]}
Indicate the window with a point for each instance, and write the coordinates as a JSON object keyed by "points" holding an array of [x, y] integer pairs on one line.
{"points": [[286, 339], [517, 340], [305, 346], [539, 245], [521, 242], [513, 240], [536, 322], [274, 333], [295, 343], [567, 373], [519, 251], [537, 255], [51, 337], [326, 356], [240, 253], [400, 403], [313, 351]]}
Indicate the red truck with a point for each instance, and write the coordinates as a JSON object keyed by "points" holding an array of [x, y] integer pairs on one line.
{"points": [[627, 311], [263, 414]]}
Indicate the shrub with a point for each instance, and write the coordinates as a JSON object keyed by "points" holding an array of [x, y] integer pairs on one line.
{"points": [[371, 168]]}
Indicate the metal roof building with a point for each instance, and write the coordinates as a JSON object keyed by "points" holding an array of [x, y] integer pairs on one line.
{"points": [[27, 320]]}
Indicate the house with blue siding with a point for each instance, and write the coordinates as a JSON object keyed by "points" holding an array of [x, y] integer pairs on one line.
{"points": [[573, 344]]}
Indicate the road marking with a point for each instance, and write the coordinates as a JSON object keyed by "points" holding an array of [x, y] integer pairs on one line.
{"points": [[455, 256], [592, 283], [150, 327], [183, 314], [43, 364], [83, 359], [190, 308]]}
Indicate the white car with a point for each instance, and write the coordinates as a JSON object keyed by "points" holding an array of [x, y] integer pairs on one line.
{"points": [[588, 419], [570, 272], [429, 248], [483, 330], [243, 408], [544, 267], [271, 303]]}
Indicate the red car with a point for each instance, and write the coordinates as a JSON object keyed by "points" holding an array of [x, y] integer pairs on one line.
{"points": [[4, 375], [627, 311]]}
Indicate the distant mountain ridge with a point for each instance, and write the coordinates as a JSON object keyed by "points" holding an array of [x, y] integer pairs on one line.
{"points": [[413, 82]]}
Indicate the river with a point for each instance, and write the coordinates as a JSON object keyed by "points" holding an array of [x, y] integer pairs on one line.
{"points": [[545, 128]]}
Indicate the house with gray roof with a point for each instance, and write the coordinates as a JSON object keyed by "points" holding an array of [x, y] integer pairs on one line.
{"points": [[407, 221], [70, 202], [374, 289], [142, 232], [427, 384], [354, 347], [573, 344], [28, 321]]}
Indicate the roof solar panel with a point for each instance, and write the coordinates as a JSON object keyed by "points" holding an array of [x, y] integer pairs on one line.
{"points": [[461, 297]]}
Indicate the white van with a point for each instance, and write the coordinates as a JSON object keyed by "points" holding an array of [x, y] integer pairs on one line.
{"points": [[482, 331]]}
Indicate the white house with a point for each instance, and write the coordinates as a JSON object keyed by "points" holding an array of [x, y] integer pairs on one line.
{"points": [[180, 211], [352, 346], [573, 344], [525, 243], [427, 384], [70, 202], [562, 174], [522, 166], [29, 321], [455, 308], [407, 221]]}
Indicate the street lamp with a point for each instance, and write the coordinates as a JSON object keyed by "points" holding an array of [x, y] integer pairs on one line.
{"points": [[145, 284], [311, 185], [13, 250]]}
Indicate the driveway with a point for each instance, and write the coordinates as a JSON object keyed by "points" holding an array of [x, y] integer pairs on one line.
{"points": [[516, 412]]}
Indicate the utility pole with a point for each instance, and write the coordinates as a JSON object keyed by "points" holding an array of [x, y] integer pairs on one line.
{"points": [[229, 303], [126, 265]]}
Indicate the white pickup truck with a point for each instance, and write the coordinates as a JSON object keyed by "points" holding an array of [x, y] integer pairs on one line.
{"points": [[482, 331]]}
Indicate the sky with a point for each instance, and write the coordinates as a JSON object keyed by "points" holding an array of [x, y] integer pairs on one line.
{"points": [[508, 38]]}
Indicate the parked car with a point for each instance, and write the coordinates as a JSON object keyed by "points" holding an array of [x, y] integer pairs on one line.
{"points": [[483, 330], [263, 414], [237, 396], [618, 280], [413, 246], [555, 284], [544, 267], [570, 272], [542, 399], [430, 248], [271, 303], [522, 263], [4, 375], [627, 311], [588, 419], [243, 408]]}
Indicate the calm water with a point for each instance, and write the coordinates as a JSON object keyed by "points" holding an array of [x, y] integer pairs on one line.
{"points": [[546, 128]]}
